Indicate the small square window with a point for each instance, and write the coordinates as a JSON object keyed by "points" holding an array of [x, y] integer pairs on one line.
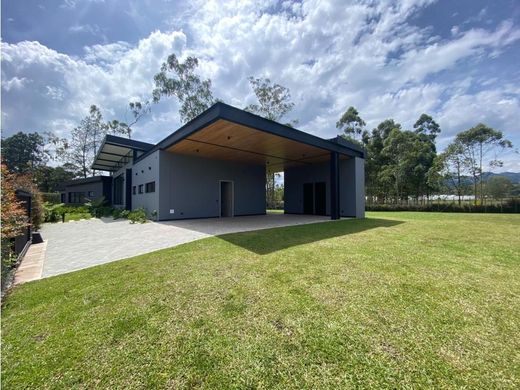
{"points": [[141, 188], [150, 187], [90, 193]]}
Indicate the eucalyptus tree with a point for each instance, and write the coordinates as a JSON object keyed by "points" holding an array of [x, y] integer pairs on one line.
{"points": [[273, 103], [193, 93], [477, 144], [351, 124]]}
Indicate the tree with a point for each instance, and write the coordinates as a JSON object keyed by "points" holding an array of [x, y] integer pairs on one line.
{"points": [[274, 100], [375, 160], [138, 110], [23, 152], [194, 94], [81, 149], [351, 124], [476, 144], [50, 179], [13, 215], [453, 167], [498, 187], [427, 126]]}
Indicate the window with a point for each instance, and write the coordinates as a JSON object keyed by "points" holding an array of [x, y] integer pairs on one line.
{"points": [[76, 197], [150, 187], [134, 190], [140, 188], [90, 194], [118, 189]]}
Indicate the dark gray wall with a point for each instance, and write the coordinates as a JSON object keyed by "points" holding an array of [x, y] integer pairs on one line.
{"points": [[351, 191], [190, 186], [97, 188], [145, 171]]}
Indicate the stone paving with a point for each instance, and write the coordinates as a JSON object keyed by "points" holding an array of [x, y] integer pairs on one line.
{"points": [[32, 264], [82, 244]]}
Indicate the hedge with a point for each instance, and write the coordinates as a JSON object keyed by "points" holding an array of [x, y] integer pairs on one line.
{"points": [[511, 206], [51, 197]]}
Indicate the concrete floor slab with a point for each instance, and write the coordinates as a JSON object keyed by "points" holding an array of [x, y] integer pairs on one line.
{"points": [[76, 245]]}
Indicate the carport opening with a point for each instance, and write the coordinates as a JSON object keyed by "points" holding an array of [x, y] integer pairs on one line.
{"points": [[274, 190]]}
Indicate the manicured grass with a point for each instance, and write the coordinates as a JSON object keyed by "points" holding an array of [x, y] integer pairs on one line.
{"points": [[77, 216], [413, 300]]}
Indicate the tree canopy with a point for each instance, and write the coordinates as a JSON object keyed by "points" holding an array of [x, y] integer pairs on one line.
{"points": [[193, 93]]}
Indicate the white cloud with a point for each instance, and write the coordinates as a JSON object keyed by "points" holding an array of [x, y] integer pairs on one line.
{"points": [[15, 83], [330, 54]]}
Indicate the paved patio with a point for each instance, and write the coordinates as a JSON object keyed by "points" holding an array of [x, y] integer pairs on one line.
{"points": [[76, 245]]}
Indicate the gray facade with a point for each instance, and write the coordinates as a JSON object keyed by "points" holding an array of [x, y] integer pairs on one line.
{"points": [[189, 187], [351, 189]]}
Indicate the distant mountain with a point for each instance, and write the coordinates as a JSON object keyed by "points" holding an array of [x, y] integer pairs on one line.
{"points": [[513, 176]]}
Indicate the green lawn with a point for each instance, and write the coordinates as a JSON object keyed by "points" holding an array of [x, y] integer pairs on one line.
{"points": [[77, 216], [414, 300]]}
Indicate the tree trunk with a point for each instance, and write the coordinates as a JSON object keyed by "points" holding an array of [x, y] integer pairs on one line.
{"points": [[481, 186]]}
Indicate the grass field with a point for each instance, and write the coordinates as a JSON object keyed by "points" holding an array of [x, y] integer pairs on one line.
{"points": [[416, 300]]}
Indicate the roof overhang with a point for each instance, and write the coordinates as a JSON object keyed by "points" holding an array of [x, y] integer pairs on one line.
{"points": [[115, 152], [224, 132]]}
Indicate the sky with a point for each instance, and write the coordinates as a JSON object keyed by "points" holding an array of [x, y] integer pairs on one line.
{"points": [[455, 60]]}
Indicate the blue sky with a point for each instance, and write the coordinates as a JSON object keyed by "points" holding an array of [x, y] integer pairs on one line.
{"points": [[456, 60]]}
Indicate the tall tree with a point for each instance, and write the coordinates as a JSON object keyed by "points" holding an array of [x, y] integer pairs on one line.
{"points": [[80, 150], [274, 100], [274, 103], [138, 110], [194, 94], [351, 124], [23, 152], [453, 168], [477, 143], [377, 189], [427, 126]]}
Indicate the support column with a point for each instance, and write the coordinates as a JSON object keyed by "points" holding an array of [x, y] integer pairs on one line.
{"points": [[334, 186]]}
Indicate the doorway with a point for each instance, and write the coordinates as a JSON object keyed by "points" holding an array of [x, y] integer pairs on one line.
{"points": [[320, 198], [308, 198], [226, 198]]}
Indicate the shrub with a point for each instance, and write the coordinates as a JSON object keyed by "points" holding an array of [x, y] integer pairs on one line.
{"points": [[51, 197], [120, 213], [138, 215], [97, 207], [52, 212]]}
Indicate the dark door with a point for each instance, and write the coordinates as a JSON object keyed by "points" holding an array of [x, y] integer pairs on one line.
{"points": [[226, 199], [320, 199], [308, 198]]}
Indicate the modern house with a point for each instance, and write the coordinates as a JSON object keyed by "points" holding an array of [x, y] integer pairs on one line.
{"points": [[216, 164]]}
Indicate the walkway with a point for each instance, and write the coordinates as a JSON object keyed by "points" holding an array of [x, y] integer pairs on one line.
{"points": [[82, 244]]}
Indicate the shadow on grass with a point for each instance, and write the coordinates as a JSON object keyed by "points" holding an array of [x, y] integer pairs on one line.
{"points": [[263, 242]]}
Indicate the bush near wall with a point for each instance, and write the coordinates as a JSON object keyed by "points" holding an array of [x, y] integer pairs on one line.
{"points": [[51, 197], [510, 206]]}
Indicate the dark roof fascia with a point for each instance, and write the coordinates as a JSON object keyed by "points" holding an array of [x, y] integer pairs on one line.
{"points": [[87, 180], [127, 143], [122, 142], [241, 117], [205, 119]]}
